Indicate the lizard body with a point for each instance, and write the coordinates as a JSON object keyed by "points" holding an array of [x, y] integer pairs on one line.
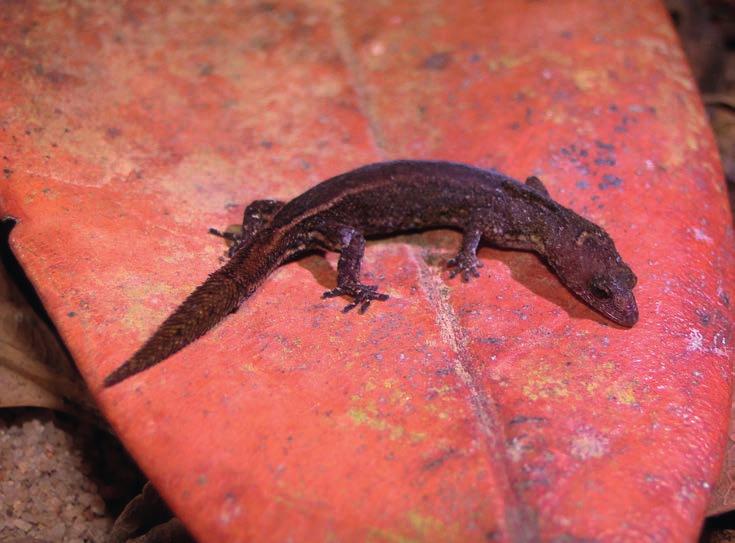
{"points": [[387, 198]]}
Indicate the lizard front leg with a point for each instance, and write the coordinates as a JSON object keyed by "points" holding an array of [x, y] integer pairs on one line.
{"points": [[351, 245], [466, 262], [257, 215]]}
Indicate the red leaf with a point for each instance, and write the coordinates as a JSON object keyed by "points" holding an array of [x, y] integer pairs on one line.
{"points": [[503, 409]]}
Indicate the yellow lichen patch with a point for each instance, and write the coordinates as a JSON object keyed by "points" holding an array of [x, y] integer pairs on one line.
{"points": [[398, 396], [442, 390], [377, 535], [422, 528], [548, 382], [548, 58], [138, 313], [135, 316], [587, 80], [249, 367], [370, 416], [592, 386], [616, 390], [609, 365], [505, 63], [436, 411], [426, 525], [543, 384], [390, 383], [623, 393], [363, 418]]}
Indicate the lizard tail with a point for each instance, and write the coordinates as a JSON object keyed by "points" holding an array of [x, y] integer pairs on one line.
{"points": [[220, 295]]}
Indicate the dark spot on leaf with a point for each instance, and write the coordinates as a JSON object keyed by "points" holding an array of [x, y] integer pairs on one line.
{"points": [[609, 180], [57, 78], [703, 316], [605, 161], [520, 419], [437, 61], [7, 172], [605, 146], [436, 462], [113, 132], [567, 538]]}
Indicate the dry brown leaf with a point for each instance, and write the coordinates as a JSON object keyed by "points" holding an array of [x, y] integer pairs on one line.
{"points": [[34, 368], [723, 496], [147, 519], [721, 108]]}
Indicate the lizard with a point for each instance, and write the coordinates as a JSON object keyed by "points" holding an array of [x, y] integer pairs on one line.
{"points": [[387, 198]]}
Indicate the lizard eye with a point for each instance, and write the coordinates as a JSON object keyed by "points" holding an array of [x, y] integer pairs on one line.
{"points": [[599, 289]]}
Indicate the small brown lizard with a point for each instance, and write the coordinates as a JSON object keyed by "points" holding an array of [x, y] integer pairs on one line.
{"points": [[387, 198]]}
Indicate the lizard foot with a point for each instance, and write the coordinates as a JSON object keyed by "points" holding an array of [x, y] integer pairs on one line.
{"points": [[464, 264], [361, 295], [236, 240]]}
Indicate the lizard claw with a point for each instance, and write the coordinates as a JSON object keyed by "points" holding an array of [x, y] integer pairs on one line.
{"points": [[466, 265], [236, 239], [362, 295]]}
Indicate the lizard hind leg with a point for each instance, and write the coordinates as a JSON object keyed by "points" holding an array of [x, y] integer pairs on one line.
{"points": [[466, 262], [351, 245], [257, 215]]}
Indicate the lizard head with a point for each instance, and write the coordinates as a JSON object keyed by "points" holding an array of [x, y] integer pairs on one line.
{"points": [[588, 264]]}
